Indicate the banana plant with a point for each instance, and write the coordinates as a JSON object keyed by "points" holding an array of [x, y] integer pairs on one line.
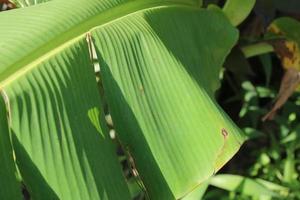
{"points": [[159, 66]]}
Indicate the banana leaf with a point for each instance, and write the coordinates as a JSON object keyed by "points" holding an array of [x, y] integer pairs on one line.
{"points": [[160, 62]]}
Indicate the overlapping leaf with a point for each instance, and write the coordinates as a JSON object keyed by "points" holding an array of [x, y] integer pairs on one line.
{"points": [[160, 69], [237, 11], [160, 62], [9, 188], [62, 149]]}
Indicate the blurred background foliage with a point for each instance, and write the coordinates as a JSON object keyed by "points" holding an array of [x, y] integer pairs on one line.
{"points": [[270, 159]]}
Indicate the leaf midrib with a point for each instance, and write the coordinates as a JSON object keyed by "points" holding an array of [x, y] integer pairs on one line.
{"points": [[78, 31]]}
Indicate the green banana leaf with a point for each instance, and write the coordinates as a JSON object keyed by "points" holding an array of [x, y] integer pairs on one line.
{"points": [[198, 193], [160, 62], [160, 70], [9, 187], [62, 149]]}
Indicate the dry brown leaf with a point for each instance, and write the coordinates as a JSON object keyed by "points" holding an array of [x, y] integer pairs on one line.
{"points": [[288, 52], [6, 5], [289, 84], [286, 49]]}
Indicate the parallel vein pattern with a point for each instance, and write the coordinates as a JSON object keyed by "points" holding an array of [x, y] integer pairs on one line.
{"points": [[160, 61], [160, 71], [62, 148], [9, 188], [30, 33]]}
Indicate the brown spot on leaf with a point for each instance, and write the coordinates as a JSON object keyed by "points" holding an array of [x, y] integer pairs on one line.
{"points": [[142, 89], [224, 133]]}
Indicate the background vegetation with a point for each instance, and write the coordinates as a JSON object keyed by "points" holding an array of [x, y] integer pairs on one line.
{"points": [[248, 92]]}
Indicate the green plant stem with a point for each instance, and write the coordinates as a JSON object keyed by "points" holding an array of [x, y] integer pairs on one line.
{"points": [[257, 49]]}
